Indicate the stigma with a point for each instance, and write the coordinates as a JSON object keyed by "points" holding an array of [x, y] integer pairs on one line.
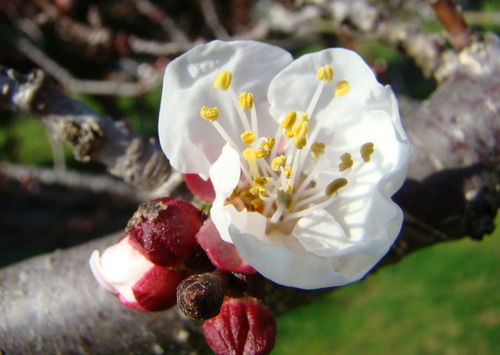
{"points": [[279, 172]]}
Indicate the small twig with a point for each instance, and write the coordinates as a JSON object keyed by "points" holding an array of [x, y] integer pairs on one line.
{"points": [[458, 32], [157, 15], [143, 46], [59, 161], [74, 85], [212, 19], [75, 180]]}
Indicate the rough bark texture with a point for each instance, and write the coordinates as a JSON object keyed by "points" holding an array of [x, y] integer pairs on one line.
{"points": [[52, 305], [135, 159]]}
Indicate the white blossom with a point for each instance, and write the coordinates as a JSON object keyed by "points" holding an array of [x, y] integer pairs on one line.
{"points": [[304, 156]]}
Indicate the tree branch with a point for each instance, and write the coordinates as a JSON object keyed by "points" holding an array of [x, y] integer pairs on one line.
{"points": [[95, 137], [75, 180]]}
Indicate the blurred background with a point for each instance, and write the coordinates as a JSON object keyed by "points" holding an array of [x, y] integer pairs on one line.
{"points": [[111, 55]]}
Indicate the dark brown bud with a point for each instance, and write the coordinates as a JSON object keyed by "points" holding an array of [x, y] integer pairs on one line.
{"points": [[201, 296]]}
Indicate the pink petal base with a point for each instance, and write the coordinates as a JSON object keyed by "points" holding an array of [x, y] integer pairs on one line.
{"points": [[202, 189], [223, 255], [243, 326]]}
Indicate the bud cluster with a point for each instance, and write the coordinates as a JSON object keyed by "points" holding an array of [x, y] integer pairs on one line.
{"points": [[145, 267], [171, 254]]}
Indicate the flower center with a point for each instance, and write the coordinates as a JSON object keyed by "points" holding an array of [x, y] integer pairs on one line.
{"points": [[274, 180]]}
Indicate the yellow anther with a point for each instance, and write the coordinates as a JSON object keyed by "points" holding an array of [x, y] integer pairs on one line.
{"points": [[278, 162], [268, 144], [301, 124], [325, 73], [247, 137], [317, 149], [261, 153], [288, 133], [260, 181], [249, 154], [300, 142], [246, 101], [256, 203], [299, 130], [285, 199], [209, 113], [342, 87], [288, 172], [259, 185], [334, 186], [346, 162], [289, 120], [366, 151], [245, 193], [223, 80]]}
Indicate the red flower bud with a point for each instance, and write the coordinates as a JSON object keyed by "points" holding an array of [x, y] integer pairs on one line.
{"points": [[124, 270], [202, 189], [243, 326], [166, 229]]}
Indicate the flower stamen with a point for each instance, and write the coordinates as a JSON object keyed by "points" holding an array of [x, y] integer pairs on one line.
{"points": [[334, 186], [223, 80], [285, 199], [209, 113], [247, 137], [325, 73], [288, 123], [342, 87], [299, 130], [250, 155], [278, 162], [246, 101], [346, 162], [317, 149], [366, 151]]}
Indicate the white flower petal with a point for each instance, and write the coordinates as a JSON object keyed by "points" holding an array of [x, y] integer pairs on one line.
{"points": [[188, 85], [121, 266], [283, 265], [320, 234], [225, 175], [96, 267], [294, 87]]}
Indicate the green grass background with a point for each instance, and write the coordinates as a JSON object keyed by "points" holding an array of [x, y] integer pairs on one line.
{"points": [[441, 300]]}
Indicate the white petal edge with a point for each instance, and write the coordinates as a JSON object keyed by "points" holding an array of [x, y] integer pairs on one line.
{"points": [[119, 268], [225, 175]]}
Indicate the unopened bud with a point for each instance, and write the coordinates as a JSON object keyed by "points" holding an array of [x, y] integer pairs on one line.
{"points": [[243, 326], [137, 282], [166, 228], [200, 296]]}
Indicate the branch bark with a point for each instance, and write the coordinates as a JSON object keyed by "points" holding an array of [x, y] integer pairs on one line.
{"points": [[137, 160]]}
